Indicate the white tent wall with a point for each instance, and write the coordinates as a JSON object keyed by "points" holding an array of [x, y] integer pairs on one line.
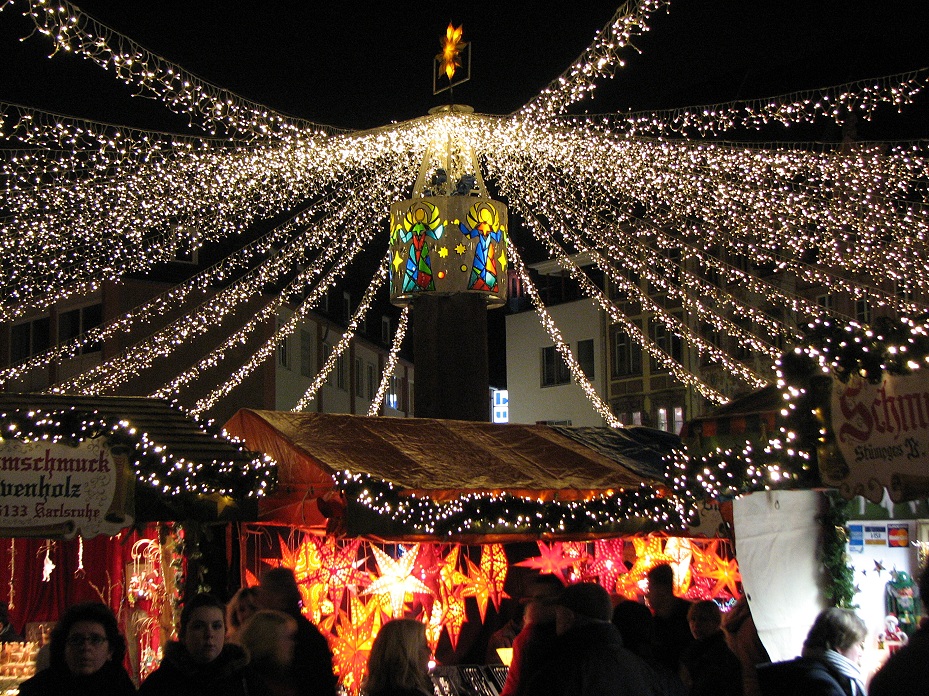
{"points": [[777, 538]]}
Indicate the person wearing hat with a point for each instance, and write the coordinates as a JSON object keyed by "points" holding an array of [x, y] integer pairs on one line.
{"points": [[588, 657]]}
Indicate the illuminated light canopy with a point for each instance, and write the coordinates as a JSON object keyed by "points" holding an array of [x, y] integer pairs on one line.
{"points": [[662, 204]]}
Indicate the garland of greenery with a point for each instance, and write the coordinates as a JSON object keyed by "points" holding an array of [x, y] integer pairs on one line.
{"points": [[839, 580]]}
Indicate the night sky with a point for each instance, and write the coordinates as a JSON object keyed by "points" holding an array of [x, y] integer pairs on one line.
{"points": [[362, 65]]}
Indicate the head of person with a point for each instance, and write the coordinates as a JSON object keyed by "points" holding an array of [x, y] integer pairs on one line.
{"points": [[85, 639], [705, 619], [4, 615], [582, 603], [203, 628], [660, 587], [841, 630], [269, 636], [539, 598], [399, 658], [636, 626], [243, 604], [278, 590]]}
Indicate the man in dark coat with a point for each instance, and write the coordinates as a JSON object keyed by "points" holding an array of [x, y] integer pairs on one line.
{"points": [[589, 659], [710, 668], [672, 632], [312, 673], [907, 670]]}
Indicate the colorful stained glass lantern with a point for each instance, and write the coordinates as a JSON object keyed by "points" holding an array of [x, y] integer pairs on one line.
{"points": [[450, 237]]}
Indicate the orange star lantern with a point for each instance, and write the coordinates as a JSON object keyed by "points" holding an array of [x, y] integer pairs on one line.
{"points": [[351, 644], [487, 578], [451, 49]]}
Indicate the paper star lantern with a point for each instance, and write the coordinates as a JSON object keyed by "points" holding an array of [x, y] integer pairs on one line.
{"points": [[551, 561], [487, 578], [607, 564], [396, 583], [681, 551], [454, 615], [704, 556], [352, 643], [727, 577]]}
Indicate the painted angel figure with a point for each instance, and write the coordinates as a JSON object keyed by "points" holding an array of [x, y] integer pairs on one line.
{"points": [[421, 223], [484, 224]]}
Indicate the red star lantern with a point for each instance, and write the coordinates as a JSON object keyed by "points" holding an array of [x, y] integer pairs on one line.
{"points": [[607, 564], [551, 560]]}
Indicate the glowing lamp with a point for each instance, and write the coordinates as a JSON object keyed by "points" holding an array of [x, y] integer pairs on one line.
{"points": [[450, 237]]}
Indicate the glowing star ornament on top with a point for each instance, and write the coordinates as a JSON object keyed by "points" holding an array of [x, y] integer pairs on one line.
{"points": [[396, 583], [451, 50]]}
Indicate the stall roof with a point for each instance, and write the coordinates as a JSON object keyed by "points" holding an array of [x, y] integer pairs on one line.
{"points": [[159, 435], [443, 459]]}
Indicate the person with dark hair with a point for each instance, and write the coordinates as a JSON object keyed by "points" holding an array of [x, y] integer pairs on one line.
{"points": [[532, 643], [708, 666], [200, 662], [829, 663], [637, 628], [588, 657], [312, 671], [86, 656], [398, 664], [907, 670], [269, 638], [8, 633], [672, 631]]}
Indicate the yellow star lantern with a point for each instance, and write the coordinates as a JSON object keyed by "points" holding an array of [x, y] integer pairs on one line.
{"points": [[396, 584], [727, 576], [451, 49], [352, 643], [487, 578]]}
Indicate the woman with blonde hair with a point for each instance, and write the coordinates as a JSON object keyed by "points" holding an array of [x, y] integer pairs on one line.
{"points": [[243, 604], [268, 637], [399, 661]]}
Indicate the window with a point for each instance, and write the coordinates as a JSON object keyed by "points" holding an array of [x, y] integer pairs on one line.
{"points": [[30, 338], [341, 377], [554, 370], [327, 351], [393, 392], [627, 355], [386, 333], [678, 421], [824, 300], [667, 341], [585, 357], [359, 378], [863, 311], [306, 353], [75, 322], [283, 355], [347, 306], [662, 418], [372, 382]]}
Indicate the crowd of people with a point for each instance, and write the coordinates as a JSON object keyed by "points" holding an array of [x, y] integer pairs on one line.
{"points": [[571, 641]]}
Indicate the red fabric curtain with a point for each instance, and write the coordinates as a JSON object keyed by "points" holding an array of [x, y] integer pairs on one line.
{"points": [[95, 572]]}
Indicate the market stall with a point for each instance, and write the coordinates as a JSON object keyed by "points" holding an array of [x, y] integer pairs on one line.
{"points": [[99, 496], [444, 520]]}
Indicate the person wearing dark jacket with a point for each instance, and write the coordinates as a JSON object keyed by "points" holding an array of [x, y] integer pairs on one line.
{"points": [[671, 630], [201, 663], [312, 670], [589, 659], [907, 670], [708, 666], [829, 663], [86, 657]]}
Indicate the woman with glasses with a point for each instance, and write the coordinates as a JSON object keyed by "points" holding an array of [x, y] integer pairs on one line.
{"points": [[86, 657]]}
